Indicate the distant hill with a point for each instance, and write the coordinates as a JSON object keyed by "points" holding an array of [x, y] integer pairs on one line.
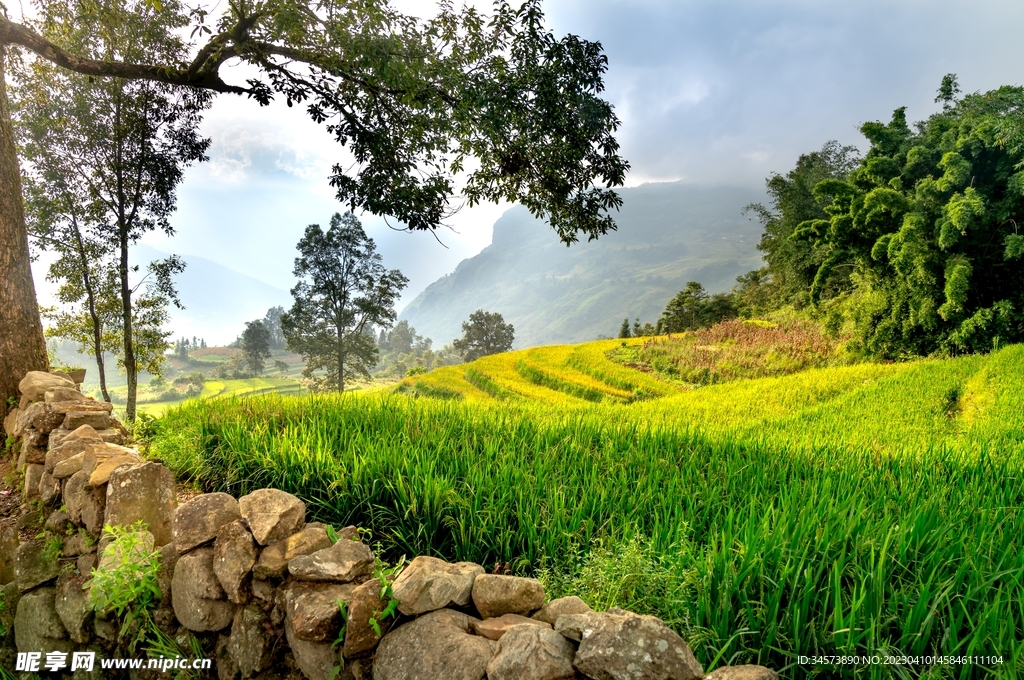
{"points": [[669, 233], [218, 300]]}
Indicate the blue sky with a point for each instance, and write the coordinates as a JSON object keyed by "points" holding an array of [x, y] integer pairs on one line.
{"points": [[719, 93]]}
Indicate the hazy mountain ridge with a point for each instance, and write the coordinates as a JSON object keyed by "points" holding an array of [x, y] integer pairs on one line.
{"points": [[669, 233]]}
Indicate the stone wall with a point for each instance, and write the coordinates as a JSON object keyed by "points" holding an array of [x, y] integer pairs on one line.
{"points": [[271, 594]]}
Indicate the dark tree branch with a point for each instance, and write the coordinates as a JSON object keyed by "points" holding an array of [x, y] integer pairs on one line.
{"points": [[198, 74]]}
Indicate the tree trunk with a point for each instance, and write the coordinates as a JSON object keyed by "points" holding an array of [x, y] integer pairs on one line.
{"points": [[130, 369], [97, 328], [22, 347], [341, 361]]}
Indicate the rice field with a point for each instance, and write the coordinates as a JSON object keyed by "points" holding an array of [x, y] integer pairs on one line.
{"points": [[860, 509]]}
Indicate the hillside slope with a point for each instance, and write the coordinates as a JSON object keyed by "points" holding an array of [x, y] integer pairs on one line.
{"points": [[669, 233]]}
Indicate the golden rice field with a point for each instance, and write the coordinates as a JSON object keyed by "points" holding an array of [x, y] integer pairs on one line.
{"points": [[838, 509]]}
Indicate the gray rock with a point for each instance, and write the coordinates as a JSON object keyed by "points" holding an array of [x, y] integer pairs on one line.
{"points": [[274, 559], [532, 652], [428, 584], [495, 628], [624, 646], [74, 495], [79, 543], [312, 609], [225, 664], [33, 478], [142, 492], [100, 453], [49, 489], [198, 521], [69, 448], [550, 612], [37, 627], [316, 660], [68, 466], [60, 436], [494, 595], [745, 672], [575, 626], [25, 417], [11, 595], [35, 383], [197, 595], [74, 606], [249, 644], [8, 545], [272, 514], [234, 555], [97, 420], [165, 577], [103, 469], [93, 510], [63, 394], [435, 645], [33, 566], [11, 422], [58, 522], [344, 561], [33, 446], [360, 637], [86, 563], [92, 405]]}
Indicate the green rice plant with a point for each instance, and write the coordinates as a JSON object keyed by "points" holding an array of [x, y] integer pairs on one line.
{"points": [[834, 510]]}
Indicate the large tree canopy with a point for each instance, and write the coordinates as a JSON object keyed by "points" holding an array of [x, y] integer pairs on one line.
{"points": [[931, 225], [497, 100]]}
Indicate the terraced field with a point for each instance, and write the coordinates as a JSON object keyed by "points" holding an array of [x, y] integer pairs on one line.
{"points": [[560, 375], [230, 388]]}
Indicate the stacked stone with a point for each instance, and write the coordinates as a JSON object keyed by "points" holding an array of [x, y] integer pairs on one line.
{"points": [[275, 595]]}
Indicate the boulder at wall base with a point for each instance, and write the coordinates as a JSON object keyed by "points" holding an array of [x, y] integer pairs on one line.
{"points": [[435, 645], [745, 672], [360, 637], [74, 606], [532, 652], [35, 383], [165, 577], [429, 583], [37, 627], [8, 545], [142, 492], [344, 561], [11, 422], [11, 595], [620, 645], [234, 554], [34, 565], [198, 521], [250, 644], [494, 595], [312, 609], [316, 660], [272, 514], [274, 559], [196, 594]]}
